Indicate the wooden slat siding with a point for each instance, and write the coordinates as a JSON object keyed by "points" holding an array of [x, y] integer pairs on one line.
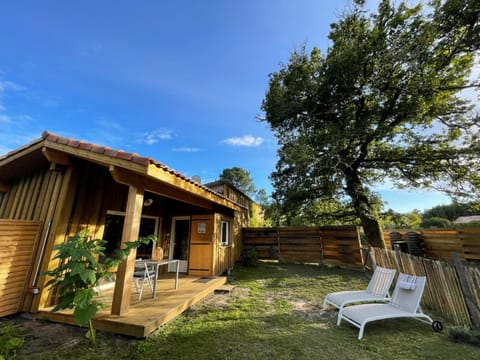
{"points": [[305, 244], [36, 186], [224, 256], [45, 176], [17, 240], [60, 219], [19, 199], [81, 201], [97, 190], [54, 183], [3, 196], [7, 202], [443, 292], [33, 196], [25, 199]]}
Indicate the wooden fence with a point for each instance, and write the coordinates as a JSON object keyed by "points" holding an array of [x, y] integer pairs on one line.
{"points": [[444, 293], [337, 244], [440, 243]]}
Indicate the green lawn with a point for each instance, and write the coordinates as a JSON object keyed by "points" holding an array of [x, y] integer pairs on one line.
{"points": [[275, 313]]}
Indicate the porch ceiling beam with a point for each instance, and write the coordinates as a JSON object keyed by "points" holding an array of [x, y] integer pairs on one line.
{"points": [[56, 157], [131, 230], [159, 187]]}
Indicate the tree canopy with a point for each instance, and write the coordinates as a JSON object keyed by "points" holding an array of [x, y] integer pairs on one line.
{"points": [[453, 211], [383, 103], [240, 178]]}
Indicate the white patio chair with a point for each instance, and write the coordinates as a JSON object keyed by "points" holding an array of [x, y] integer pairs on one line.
{"points": [[405, 302], [377, 290], [142, 274]]}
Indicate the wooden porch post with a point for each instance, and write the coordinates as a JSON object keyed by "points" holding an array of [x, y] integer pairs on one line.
{"points": [[131, 228]]}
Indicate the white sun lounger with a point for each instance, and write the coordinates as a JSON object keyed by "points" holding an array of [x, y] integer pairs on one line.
{"points": [[405, 302], [377, 290]]}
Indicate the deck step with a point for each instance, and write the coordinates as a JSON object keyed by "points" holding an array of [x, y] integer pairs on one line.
{"points": [[225, 289]]}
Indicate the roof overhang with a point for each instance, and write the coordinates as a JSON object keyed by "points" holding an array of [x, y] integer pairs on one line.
{"points": [[126, 168]]}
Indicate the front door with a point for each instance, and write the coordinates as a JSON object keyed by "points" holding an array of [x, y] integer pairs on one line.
{"points": [[179, 242]]}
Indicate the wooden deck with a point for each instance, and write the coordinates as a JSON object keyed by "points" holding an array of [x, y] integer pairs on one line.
{"points": [[145, 316]]}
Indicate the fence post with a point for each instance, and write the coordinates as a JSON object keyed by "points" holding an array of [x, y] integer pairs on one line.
{"points": [[278, 244], [322, 258], [399, 260], [467, 294]]}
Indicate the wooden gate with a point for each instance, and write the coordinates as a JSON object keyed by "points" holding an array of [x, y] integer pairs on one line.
{"points": [[17, 243]]}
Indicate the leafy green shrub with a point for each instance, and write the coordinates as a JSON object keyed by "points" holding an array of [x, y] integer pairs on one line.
{"points": [[80, 272], [249, 257], [10, 341], [435, 222]]}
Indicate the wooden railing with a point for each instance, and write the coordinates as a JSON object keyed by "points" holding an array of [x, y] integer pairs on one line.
{"points": [[444, 292], [337, 244]]}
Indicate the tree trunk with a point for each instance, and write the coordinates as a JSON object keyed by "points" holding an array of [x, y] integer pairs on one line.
{"points": [[372, 231], [364, 209]]}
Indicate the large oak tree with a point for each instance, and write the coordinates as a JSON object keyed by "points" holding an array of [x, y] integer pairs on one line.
{"points": [[383, 103]]}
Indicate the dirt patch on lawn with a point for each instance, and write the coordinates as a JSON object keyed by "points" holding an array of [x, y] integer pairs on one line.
{"points": [[42, 337], [221, 300], [311, 311]]}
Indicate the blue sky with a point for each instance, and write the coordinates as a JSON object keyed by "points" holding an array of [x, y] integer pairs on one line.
{"points": [[180, 81]]}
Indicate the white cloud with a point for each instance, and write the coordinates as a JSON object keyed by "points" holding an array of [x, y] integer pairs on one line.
{"points": [[186, 149], [155, 136], [247, 140], [8, 85], [5, 118]]}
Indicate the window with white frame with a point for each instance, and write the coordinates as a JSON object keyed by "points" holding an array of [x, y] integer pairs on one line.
{"points": [[225, 233]]}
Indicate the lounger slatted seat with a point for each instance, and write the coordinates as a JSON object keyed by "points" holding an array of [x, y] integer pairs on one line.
{"points": [[377, 290], [405, 303]]}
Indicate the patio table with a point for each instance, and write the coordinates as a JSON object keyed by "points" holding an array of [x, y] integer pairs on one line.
{"points": [[157, 264]]}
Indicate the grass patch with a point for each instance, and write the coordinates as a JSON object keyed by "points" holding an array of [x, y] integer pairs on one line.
{"points": [[275, 312], [10, 340]]}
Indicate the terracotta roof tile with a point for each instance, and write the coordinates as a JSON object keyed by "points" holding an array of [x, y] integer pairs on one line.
{"points": [[111, 152], [62, 140], [118, 154], [73, 142], [141, 160], [97, 149], [124, 155], [84, 145]]}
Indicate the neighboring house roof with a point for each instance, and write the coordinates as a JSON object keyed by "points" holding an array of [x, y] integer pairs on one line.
{"points": [[467, 219], [23, 158], [229, 183]]}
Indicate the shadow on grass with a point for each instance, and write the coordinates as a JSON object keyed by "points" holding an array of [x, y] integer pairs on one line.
{"points": [[277, 313], [282, 318]]}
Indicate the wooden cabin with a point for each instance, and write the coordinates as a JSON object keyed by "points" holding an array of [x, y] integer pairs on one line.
{"points": [[55, 187]]}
